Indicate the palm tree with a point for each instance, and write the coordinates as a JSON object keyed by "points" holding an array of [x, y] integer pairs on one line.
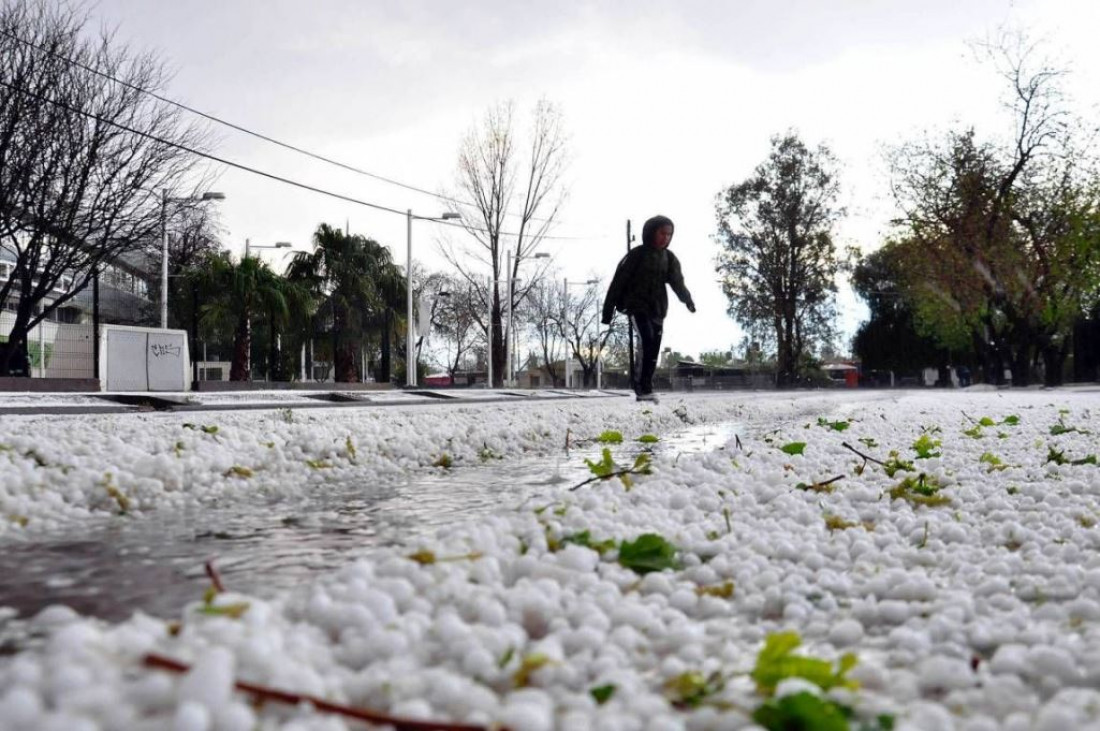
{"points": [[357, 285], [242, 291]]}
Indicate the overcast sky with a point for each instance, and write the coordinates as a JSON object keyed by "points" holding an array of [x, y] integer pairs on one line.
{"points": [[665, 103]]}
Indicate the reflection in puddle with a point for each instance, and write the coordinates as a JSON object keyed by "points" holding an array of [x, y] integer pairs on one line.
{"points": [[113, 568]]}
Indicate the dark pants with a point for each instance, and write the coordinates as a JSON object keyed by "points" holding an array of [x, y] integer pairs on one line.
{"points": [[649, 330]]}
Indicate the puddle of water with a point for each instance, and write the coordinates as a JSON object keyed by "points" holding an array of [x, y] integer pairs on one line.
{"points": [[113, 568]]}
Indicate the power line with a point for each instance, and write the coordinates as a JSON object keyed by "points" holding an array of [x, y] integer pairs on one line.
{"points": [[257, 171], [239, 128]]}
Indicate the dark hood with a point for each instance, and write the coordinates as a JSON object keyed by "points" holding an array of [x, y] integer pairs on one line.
{"points": [[650, 228]]}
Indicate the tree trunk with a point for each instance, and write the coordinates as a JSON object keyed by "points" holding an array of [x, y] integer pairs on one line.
{"points": [[497, 350], [1054, 360], [1021, 366], [345, 365], [14, 354], [14, 358], [274, 361], [384, 367], [242, 343], [994, 367]]}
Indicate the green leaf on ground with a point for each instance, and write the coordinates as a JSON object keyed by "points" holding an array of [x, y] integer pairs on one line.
{"points": [[689, 690], [802, 712], [721, 591], [648, 552], [793, 448], [602, 693], [530, 663], [610, 437], [925, 447], [993, 461], [584, 538], [894, 465], [605, 467], [776, 663], [919, 490], [835, 522]]}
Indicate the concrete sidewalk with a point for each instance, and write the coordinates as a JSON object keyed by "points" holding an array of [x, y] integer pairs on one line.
{"points": [[121, 403]]}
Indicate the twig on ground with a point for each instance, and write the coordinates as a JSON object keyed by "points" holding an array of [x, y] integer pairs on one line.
{"points": [[861, 454], [620, 473], [968, 416], [264, 693], [737, 441], [215, 577]]}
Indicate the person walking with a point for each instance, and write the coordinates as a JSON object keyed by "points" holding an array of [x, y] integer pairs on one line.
{"points": [[638, 289]]}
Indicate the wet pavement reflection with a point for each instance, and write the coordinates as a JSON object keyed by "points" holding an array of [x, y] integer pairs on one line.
{"points": [[114, 567]]}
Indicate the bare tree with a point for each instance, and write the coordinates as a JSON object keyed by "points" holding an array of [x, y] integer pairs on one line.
{"points": [[580, 327], [454, 323], [516, 194], [544, 312], [83, 160], [429, 291], [194, 232]]}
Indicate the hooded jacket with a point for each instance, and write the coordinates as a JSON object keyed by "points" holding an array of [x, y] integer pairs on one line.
{"points": [[638, 286]]}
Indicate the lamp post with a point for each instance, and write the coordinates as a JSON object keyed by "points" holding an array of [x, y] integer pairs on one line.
{"points": [[164, 201], [248, 247], [410, 344]]}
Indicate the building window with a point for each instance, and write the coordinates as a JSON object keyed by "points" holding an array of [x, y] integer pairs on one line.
{"points": [[68, 315]]}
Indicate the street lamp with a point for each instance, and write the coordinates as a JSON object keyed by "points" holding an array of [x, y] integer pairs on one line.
{"points": [[410, 344], [248, 247], [164, 201]]}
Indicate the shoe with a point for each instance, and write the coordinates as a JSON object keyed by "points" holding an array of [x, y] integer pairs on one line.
{"points": [[649, 397]]}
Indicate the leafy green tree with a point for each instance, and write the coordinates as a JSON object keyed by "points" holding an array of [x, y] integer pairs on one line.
{"points": [[778, 261], [889, 339], [243, 290], [716, 358], [358, 290], [1003, 235]]}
